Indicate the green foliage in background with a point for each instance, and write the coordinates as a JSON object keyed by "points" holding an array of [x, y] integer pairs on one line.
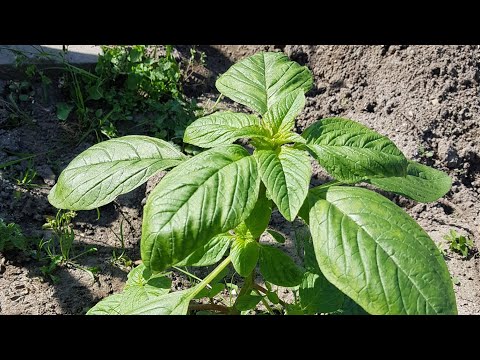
{"points": [[11, 237], [134, 84]]}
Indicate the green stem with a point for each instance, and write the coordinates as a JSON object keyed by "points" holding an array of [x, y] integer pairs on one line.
{"points": [[265, 291], [83, 253], [246, 289], [265, 302], [216, 102], [211, 276], [189, 274]]}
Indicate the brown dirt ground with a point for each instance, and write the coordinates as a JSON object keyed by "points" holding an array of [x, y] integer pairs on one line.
{"points": [[422, 97]]}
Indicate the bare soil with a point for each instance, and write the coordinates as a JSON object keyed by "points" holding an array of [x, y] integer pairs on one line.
{"points": [[425, 98]]}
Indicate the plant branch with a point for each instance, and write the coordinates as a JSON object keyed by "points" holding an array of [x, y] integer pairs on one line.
{"points": [[265, 291], [265, 302], [211, 276], [247, 287]]}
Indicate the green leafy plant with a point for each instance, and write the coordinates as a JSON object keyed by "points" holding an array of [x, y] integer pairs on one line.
{"points": [[361, 252], [27, 178], [130, 83], [458, 243], [11, 237], [58, 249]]}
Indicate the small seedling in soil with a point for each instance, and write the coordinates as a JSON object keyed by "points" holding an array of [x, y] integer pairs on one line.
{"points": [[424, 153], [121, 260], [11, 237], [460, 244], [27, 177], [361, 252], [58, 249]]}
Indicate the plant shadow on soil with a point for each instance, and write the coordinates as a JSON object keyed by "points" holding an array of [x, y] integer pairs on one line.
{"points": [[73, 288]]}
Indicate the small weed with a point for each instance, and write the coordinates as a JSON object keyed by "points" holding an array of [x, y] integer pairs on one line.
{"points": [[442, 250], [11, 237], [32, 72], [422, 152], [131, 84], [460, 244], [121, 260], [197, 58], [16, 116], [58, 249], [27, 177], [21, 90]]}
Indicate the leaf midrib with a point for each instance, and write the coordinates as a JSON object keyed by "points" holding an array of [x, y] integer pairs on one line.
{"points": [[173, 213]]}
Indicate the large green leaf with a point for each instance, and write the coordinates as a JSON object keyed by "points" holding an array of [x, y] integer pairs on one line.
{"points": [[350, 307], [281, 115], [286, 174], [141, 287], [128, 303], [279, 268], [261, 80], [374, 252], [175, 303], [422, 183], [244, 254], [111, 168], [318, 295], [247, 302], [210, 253], [223, 128], [151, 284], [111, 305], [206, 195], [352, 152]]}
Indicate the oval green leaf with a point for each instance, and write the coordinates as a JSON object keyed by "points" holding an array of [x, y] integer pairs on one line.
{"points": [[374, 252], [206, 195], [286, 174], [279, 268], [152, 285], [351, 152], [138, 290], [216, 289], [281, 115], [276, 236], [247, 302], [111, 168], [223, 128], [318, 295], [175, 303], [111, 305], [258, 220], [422, 183], [244, 254], [261, 80]]}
